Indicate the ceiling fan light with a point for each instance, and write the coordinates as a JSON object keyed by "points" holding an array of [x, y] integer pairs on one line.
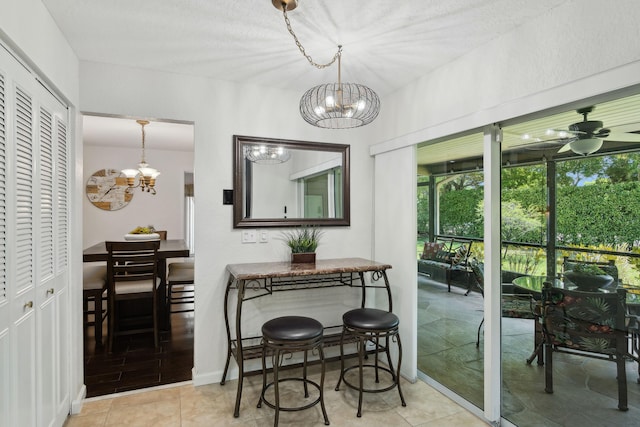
{"points": [[586, 146]]}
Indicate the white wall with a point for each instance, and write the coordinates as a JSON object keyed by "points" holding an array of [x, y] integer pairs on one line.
{"points": [[395, 243], [28, 28], [165, 210], [219, 110]]}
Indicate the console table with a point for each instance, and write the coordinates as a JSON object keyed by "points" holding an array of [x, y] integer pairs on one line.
{"points": [[255, 280]]}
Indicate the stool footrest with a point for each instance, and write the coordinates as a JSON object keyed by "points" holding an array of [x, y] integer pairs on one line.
{"points": [[291, 408], [371, 390]]}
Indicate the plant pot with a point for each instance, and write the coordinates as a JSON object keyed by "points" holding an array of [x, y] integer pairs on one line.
{"points": [[303, 258], [588, 282]]}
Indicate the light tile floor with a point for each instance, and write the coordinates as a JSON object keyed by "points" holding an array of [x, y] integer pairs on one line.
{"points": [[212, 405]]}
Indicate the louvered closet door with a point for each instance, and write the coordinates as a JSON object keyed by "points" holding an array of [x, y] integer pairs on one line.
{"points": [[51, 293], [6, 358], [33, 249]]}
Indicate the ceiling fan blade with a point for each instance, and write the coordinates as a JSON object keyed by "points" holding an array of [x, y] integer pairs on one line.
{"points": [[568, 133], [566, 147], [628, 127], [623, 137], [543, 144]]}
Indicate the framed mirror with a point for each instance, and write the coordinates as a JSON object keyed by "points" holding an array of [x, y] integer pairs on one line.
{"points": [[284, 183]]}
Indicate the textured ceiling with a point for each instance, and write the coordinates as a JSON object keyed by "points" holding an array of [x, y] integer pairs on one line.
{"points": [[386, 44]]}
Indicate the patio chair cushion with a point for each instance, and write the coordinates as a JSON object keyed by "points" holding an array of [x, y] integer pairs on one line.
{"points": [[460, 255], [430, 250]]}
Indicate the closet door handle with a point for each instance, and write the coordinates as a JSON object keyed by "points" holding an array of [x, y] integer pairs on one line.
{"points": [[51, 291], [28, 305]]}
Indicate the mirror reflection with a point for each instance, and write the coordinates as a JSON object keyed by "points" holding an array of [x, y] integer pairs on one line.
{"points": [[285, 183]]}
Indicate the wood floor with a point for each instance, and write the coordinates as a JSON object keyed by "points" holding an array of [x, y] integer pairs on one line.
{"points": [[135, 364]]}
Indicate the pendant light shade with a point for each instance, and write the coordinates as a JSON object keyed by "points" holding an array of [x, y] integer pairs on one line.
{"points": [[267, 155], [146, 175], [333, 105], [339, 105]]}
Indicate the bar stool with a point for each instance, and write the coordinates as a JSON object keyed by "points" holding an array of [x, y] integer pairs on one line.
{"points": [[371, 324], [290, 334]]}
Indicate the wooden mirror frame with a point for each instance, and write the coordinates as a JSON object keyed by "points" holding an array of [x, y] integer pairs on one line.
{"points": [[239, 142]]}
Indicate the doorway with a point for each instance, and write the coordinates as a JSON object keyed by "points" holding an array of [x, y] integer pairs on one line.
{"points": [[116, 143]]}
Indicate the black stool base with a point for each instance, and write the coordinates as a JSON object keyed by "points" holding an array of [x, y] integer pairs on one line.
{"points": [[371, 325], [285, 335], [293, 408], [370, 390]]}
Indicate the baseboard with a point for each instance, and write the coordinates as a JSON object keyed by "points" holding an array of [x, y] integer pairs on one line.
{"points": [[211, 377], [76, 404]]}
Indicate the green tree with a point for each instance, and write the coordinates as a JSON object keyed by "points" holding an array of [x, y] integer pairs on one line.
{"points": [[572, 172], [524, 177], [621, 168], [461, 181]]}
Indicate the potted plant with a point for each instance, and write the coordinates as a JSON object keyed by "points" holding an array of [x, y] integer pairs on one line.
{"points": [[303, 242], [588, 277]]}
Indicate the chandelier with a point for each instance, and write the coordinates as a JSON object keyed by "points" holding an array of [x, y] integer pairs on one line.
{"points": [[333, 105], [266, 154], [146, 175]]}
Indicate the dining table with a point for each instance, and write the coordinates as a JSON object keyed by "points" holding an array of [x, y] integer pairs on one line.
{"points": [[173, 248], [534, 284]]}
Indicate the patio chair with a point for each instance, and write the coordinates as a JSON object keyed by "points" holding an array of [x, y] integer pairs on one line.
{"points": [[590, 324], [513, 304]]}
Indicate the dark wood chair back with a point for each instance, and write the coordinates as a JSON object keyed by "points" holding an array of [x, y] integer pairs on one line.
{"points": [[132, 273]]}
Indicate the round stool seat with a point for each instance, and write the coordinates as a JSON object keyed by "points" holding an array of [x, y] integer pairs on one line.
{"points": [[292, 328], [370, 318]]}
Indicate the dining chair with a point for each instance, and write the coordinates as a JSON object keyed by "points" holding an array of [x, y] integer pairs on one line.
{"points": [[94, 294], [132, 274], [180, 287], [589, 324]]}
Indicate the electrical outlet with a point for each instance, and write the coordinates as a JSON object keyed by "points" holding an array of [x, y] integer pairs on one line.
{"points": [[264, 236], [249, 236]]}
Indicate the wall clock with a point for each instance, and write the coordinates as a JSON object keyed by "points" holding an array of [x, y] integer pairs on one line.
{"points": [[107, 189]]}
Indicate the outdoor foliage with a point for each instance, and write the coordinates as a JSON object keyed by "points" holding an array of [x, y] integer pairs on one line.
{"points": [[600, 211], [598, 199]]}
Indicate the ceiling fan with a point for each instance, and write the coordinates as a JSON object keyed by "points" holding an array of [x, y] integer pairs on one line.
{"points": [[586, 137]]}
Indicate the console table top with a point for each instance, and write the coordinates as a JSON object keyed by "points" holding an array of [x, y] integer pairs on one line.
{"points": [[261, 270]]}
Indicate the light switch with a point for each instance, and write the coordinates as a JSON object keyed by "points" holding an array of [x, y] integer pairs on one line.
{"points": [[249, 236], [264, 236]]}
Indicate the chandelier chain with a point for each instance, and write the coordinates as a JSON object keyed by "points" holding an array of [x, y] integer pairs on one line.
{"points": [[143, 156], [301, 48]]}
